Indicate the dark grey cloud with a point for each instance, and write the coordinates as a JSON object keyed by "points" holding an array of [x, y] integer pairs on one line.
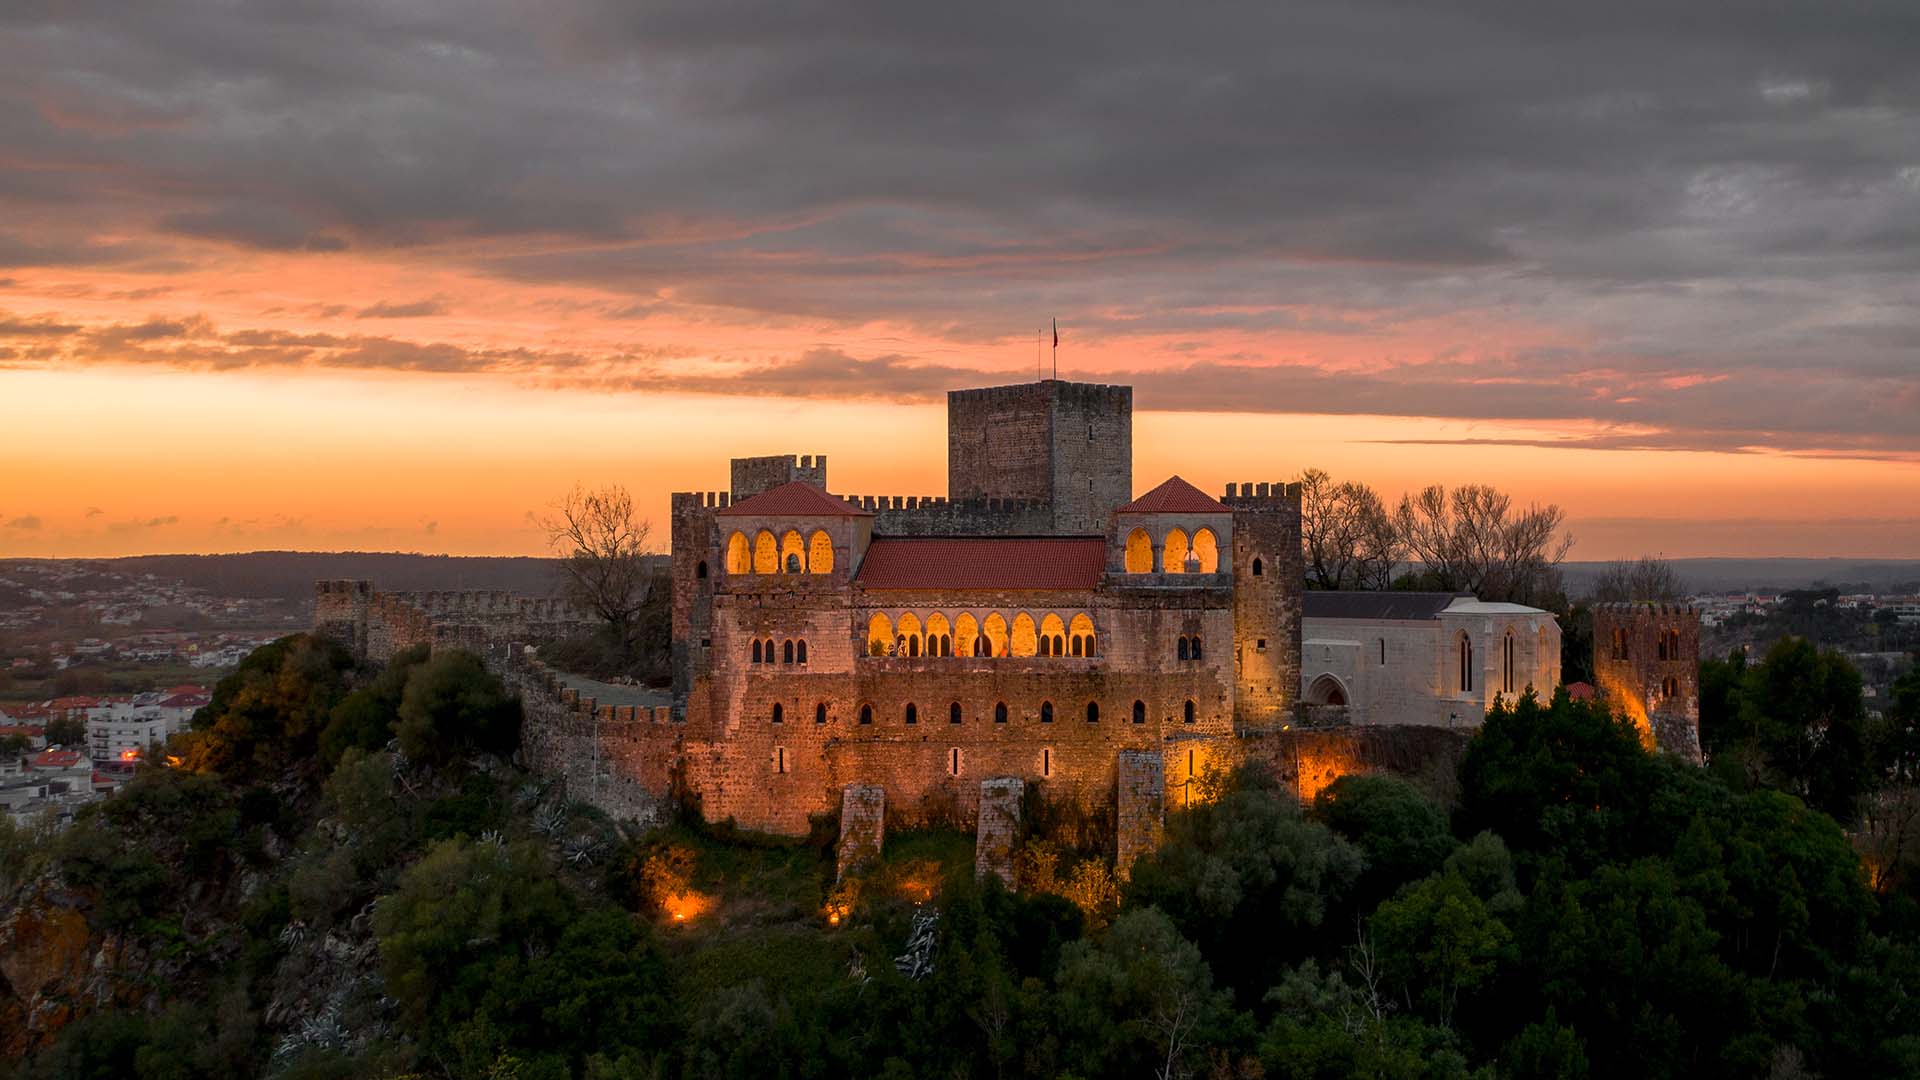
{"points": [[432, 305], [1712, 189]]}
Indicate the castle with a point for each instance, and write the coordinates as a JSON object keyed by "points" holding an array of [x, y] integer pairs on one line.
{"points": [[930, 657]]}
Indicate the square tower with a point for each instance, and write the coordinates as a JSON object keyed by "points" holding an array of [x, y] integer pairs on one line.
{"points": [[1067, 444]]}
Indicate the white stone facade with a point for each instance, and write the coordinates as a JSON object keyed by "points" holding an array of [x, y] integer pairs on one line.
{"points": [[1423, 658]]}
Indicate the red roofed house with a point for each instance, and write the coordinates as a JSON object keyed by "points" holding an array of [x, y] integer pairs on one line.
{"points": [[1038, 622]]}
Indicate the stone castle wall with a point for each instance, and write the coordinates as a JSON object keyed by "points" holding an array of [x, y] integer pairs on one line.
{"points": [[1641, 651]]}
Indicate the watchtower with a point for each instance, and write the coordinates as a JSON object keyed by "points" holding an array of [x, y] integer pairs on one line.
{"points": [[1267, 575], [1646, 662], [1066, 444]]}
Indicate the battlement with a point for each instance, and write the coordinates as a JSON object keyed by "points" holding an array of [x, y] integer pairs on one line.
{"points": [[685, 501], [1645, 609], [753, 475], [1252, 496], [937, 515], [376, 625]]}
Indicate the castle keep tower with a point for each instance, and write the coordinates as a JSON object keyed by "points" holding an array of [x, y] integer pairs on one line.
{"points": [[1064, 444], [1267, 571], [1646, 660]]}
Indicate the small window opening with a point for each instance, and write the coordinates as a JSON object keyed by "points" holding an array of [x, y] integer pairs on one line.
{"points": [[1256, 568], [1000, 713], [700, 570], [1046, 712], [779, 713], [953, 761], [1046, 762], [780, 759], [1093, 712], [1190, 711], [913, 714], [953, 713], [1139, 712], [866, 714], [800, 651], [820, 713]]}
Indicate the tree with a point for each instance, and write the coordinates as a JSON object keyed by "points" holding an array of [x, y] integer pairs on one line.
{"points": [[1403, 836], [1797, 723], [1472, 539], [1136, 997], [66, 731], [1347, 536], [1644, 579], [452, 704], [602, 546]]}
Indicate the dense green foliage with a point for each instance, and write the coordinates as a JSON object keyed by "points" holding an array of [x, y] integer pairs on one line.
{"points": [[1586, 909], [1794, 721]]}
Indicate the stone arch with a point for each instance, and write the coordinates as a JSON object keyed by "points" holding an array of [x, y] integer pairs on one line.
{"points": [[1024, 641], [820, 553], [1173, 554], [793, 552], [994, 630], [1139, 552], [966, 635], [906, 635], [879, 635], [1327, 690], [766, 553], [1081, 631], [1054, 632], [939, 636], [1207, 549], [739, 554]]}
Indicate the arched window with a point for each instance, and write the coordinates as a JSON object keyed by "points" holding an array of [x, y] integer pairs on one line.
{"points": [[879, 635], [1139, 712], [700, 570], [1000, 713], [820, 713], [786, 652], [766, 553], [756, 650], [1139, 552], [1074, 646], [1506, 663], [966, 635], [739, 554], [913, 713], [1256, 567], [768, 652], [1046, 712], [1188, 718], [800, 651], [1466, 664], [1023, 642], [908, 634], [1093, 712], [820, 553], [1660, 646], [939, 636], [1181, 650], [1207, 550], [953, 713], [866, 714], [779, 714], [1619, 643], [1669, 687], [1054, 631], [995, 632], [1673, 644], [793, 552], [1173, 556], [1082, 628]]}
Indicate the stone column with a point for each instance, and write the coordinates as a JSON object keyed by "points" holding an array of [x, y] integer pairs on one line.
{"points": [[999, 825], [1142, 806], [863, 827]]}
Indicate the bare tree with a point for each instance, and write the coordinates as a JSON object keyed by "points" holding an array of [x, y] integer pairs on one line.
{"points": [[1645, 578], [1347, 537], [1472, 539], [602, 548]]}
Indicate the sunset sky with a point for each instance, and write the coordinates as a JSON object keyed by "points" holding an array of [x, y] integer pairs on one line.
{"points": [[395, 276]]}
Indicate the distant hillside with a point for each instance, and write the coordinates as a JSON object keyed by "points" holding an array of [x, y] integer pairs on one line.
{"points": [[290, 574], [1725, 575]]}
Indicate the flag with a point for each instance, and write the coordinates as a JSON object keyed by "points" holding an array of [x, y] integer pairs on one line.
{"points": [[1056, 333]]}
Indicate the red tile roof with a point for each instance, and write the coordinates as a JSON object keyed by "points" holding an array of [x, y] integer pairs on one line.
{"points": [[796, 498], [56, 759], [1176, 496], [938, 562]]}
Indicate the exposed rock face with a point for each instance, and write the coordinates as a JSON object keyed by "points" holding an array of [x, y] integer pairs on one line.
{"points": [[52, 967]]}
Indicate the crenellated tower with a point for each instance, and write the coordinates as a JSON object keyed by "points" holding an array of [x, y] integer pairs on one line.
{"points": [[1267, 571], [1646, 663]]}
